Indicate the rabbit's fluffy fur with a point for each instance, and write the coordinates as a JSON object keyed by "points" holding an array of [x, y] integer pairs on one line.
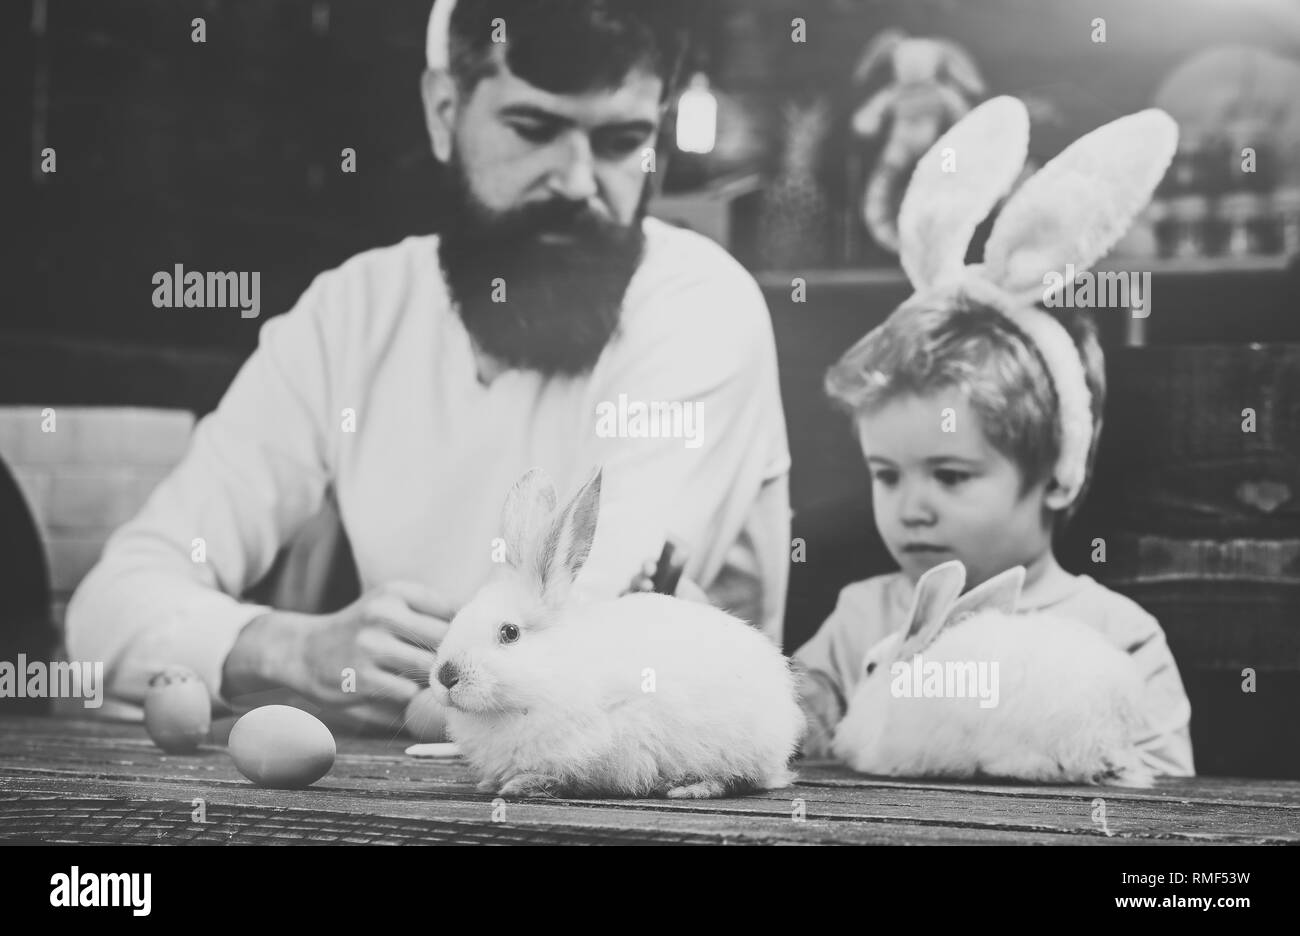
{"points": [[644, 695]]}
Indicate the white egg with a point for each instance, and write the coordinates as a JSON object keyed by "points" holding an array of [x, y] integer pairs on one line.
{"points": [[177, 710], [282, 747]]}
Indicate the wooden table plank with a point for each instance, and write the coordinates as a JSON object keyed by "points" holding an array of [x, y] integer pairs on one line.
{"points": [[86, 780]]}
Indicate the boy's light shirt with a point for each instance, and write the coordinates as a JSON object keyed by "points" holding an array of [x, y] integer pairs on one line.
{"points": [[870, 610], [421, 480]]}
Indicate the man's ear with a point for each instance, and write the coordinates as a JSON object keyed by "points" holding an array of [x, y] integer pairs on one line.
{"points": [[438, 90]]}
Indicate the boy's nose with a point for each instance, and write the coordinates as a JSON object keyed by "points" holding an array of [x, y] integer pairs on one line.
{"points": [[914, 508]]}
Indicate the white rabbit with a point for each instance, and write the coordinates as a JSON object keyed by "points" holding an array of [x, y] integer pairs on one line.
{"points": [[641, 695], [1065, 701]]}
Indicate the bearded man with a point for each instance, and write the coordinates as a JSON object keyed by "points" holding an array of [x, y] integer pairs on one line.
{"points": [[417, 382]]}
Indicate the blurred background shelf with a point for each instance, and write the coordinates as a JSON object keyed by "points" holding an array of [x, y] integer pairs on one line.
{"points": [[892, 276]]}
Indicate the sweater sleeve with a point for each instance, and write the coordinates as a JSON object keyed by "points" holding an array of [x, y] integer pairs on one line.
{"points": [[718, 487], [167, 585], [827, 664], [1166, 745]]}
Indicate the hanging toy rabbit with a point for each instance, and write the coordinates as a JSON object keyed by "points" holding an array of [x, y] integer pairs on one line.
{"points": [[933, 78]]}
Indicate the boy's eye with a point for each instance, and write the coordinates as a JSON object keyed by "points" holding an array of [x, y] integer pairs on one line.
{"points": [[885, 476], [950, 477]]}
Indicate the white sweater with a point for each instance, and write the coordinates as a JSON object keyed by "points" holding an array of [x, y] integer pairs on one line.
{"points": [[421, 479]]}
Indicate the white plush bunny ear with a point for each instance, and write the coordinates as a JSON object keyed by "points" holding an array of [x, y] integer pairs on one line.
{"points": [[955, 186], [935, 592], [1078, 206], [529, 507]]}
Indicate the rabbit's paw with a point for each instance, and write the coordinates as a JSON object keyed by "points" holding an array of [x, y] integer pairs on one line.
{"points": [[704, 789], [528, 784]]}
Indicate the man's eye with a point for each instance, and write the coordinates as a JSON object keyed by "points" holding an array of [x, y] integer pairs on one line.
{"points": [[534, 133], [618, 147], [950, 477]]}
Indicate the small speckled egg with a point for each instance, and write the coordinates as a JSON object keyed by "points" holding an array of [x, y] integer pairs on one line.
{"points": [[177, 710], [426, 719], [282, 747]]}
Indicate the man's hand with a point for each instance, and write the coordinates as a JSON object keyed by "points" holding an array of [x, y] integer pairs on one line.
{"points": [[644, 581], [370, 658]]}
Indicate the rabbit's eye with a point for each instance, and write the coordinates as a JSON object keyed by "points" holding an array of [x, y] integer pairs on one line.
{"points": [[508, 633], [871, 667]]}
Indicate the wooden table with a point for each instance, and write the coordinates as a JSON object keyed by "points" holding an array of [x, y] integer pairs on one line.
{"points": [[94, 781]]}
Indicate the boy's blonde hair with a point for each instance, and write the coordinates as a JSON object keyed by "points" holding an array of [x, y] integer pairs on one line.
{"points": [[922, 349]]}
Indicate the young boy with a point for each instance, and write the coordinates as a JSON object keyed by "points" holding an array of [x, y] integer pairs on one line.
{"points": [[956, 416]]}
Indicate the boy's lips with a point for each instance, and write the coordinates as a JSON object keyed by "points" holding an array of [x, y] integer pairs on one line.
{"points": [[924, 547]]}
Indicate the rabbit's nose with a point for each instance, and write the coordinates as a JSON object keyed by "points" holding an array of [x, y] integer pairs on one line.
{"points": [[448, 675]]}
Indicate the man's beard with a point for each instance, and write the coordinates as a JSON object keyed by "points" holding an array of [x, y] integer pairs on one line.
{"points": [[548, 307]]}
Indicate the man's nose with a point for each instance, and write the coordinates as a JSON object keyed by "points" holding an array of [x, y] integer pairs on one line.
{"points": [[448, 675], [574, 179]]}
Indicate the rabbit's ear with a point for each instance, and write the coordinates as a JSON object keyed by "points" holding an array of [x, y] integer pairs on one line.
{"points": [[567, 542], [529, 507], [935, 592], [1078, 206], [960, 67], [955, 186], [999, 593]]}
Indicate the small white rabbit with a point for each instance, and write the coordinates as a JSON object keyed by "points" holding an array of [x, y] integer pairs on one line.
{"points": [[641, 695], [1065, 702]]}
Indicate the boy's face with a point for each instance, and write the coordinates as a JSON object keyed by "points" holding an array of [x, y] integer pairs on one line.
{"points": [[941, 495]]}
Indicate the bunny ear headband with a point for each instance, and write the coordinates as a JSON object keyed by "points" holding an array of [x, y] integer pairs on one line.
{"points": [[437, 45], [1073, 210]]}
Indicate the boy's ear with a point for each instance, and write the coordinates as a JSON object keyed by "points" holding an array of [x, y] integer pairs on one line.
{"points": [[935, 592], [438, 90], [1057, 497]]}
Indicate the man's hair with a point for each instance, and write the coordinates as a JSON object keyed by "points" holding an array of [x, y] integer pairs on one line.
{"points": [[570, 46], [923, 348]]}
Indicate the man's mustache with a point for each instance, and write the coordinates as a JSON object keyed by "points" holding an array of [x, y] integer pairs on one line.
{"points": [[572, 219]]}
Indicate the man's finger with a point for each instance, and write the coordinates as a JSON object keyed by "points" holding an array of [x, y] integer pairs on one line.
{"points": [[420, 597], [391, 612], [400, 657], [387, 689], [386, 718]]}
